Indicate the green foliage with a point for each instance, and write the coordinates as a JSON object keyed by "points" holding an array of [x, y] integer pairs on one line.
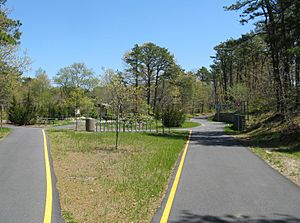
{"points": [[229, 129], [189, 124], [24, 112], [93, 113], [172, 116], [4, 132], [9, 28], [238, 92], [68, 217], [76, 76]]}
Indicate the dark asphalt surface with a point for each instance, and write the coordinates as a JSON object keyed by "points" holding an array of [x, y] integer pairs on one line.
{"points": [[22, 178], [224, 182]]}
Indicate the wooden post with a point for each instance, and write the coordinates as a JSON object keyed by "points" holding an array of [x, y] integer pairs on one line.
{"points": [[117, 127]]}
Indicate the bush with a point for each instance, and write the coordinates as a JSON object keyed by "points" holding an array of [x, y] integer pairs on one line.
{"points": [[22, 113], [172, 116], [93, 113]]}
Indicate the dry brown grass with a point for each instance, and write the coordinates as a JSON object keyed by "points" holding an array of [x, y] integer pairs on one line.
{"points": [[99, 184]]}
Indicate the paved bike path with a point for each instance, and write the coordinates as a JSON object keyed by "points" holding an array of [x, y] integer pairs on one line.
{"points": [[224, 182], [23, 179]]}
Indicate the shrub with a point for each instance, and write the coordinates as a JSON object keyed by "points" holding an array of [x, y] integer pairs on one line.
{"points": [[172, 116], [22, 113]]}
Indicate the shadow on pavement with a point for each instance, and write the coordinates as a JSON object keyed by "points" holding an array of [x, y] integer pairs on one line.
{"points": [[194, 218], [214, 138]]}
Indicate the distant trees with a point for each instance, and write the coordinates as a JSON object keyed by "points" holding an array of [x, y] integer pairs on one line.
{"points": [[75, 81], [152, 86], [266, 61], [242, 65]]}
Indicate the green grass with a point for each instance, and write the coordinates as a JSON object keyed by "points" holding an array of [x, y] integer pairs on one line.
{"points": [[229, 129], [100, 184], [60, 122], [292, 153], [4, 132], [189, 124], [189, 116], [68, 217]]}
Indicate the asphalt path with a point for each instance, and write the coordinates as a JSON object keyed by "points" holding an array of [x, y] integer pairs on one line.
{"points": [[23, 179], [224, 182]]}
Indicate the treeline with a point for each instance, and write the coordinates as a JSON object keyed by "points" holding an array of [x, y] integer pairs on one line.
{"points": [[152, 85], [263, 66]]}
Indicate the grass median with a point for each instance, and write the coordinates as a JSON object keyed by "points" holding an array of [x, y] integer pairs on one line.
{"points": [[100, 184], [4, 132]]}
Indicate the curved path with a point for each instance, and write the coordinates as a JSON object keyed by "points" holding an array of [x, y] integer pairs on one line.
{"points": [[224, 182], [23, 178]]}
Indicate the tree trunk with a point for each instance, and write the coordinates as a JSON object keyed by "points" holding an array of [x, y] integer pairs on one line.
{"points": [[274, 48], [148, 87], [155, 91], [297, 79]]}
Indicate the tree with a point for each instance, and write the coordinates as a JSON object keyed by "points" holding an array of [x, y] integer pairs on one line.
{"points": [[204, 75], [41, 91], [22, 112], [75, 76], [75, 81], [9, 28], [150, 63], [277, 22], [119, 96], [12, 64]]}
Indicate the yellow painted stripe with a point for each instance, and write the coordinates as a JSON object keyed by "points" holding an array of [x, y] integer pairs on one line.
{"points": [[48, 206], [171, 197]]}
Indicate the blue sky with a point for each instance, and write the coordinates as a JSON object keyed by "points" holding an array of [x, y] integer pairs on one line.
{"points": [[58, 33]]}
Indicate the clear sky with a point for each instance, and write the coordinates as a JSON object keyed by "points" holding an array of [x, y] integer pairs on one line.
{"points": [[58, 33]]}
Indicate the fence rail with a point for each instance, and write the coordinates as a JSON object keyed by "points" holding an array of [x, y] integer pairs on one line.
{"points": [[125, 126]]}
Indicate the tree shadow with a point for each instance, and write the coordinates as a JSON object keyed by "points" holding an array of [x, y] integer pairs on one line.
{"points": [[172, 135], [214, 138], [188, 217], [276, 139]]}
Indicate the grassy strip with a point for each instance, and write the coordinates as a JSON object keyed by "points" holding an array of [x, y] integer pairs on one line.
{"points": [[4, 132], [229, 129], [55, 123], [100, 184], [285, 161], [61, 122], [189, 124]]}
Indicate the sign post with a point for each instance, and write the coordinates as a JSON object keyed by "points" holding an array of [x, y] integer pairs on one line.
{"points": [[77, 112], [218, 110]]}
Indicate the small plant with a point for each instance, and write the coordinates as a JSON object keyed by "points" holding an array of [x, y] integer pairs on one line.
{"points": [[68, 217], [172, 116]]}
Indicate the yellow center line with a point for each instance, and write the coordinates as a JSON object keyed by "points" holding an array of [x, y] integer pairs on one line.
{"points": [[167, 210], [48, 206]]}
